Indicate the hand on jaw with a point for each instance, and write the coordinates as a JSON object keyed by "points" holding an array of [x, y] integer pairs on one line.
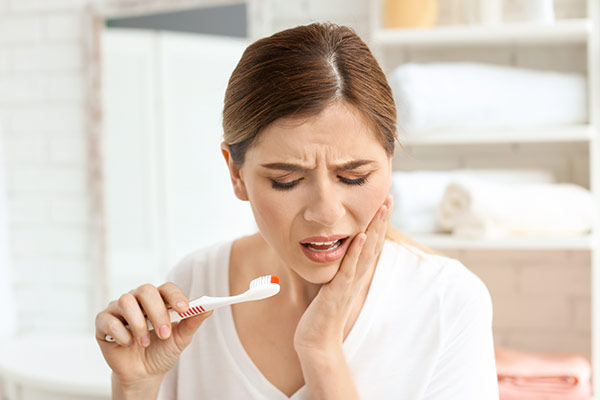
{"points": [[329, 318]]}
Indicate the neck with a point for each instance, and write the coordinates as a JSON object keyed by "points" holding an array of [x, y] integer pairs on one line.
{"points": [[295, 290]]}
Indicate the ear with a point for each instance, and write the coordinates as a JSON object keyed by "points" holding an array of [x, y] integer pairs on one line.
{"points": [[239, 187]]}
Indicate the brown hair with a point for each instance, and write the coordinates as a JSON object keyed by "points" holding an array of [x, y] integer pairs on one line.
{"points": [[300, 71]]}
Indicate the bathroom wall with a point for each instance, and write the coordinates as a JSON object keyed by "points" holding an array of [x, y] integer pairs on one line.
{"points": [[541, 303], [42, 106]]}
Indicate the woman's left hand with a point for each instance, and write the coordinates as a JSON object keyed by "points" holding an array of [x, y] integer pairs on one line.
{"points": [[330, 316]]}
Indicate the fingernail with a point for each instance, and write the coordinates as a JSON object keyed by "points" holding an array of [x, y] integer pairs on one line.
{"points": [[164, 331], [181, 305], [145, 340]]}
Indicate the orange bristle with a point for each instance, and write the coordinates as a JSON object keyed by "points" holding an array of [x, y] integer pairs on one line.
{"points": [[274, 279]]}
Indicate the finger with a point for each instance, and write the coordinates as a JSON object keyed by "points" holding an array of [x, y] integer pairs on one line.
{"points": [[108, 324], [130, 310], [156, 310], [174, 297], [347, 271], [185, 329], [389, 201], [382, 234], [375, 230], [378, 227], [379, 216]]}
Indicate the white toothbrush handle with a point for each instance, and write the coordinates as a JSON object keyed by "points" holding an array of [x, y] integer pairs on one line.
{"points": [[200, 306], [210, 303], [207, 303]]}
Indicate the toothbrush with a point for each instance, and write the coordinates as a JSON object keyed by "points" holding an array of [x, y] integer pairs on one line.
{"points": [[260, 288]]}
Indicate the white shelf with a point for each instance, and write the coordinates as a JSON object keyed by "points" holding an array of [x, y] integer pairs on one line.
{"points": [[449, 242], [562, 31], [573, 35], [575, 133]]}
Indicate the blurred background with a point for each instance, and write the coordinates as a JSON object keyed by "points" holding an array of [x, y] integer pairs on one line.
{"points": [[110, 168]]}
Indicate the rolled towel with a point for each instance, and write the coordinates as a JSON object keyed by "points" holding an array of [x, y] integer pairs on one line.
{"points": [[535, 376], [417, 194], [474, 208], [473, 95]]}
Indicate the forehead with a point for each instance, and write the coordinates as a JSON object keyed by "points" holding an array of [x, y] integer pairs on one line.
{"points": [[339, 132]]}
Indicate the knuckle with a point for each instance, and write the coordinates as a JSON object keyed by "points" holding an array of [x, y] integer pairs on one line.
{"points": [[146, 289], [112, 328], [348, 274], [355, 256], [138, 326], [126, 300], [99, 318], [169, 290], [169, 286]]}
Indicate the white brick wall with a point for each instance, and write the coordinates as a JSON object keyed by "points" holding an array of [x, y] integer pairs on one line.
{"points": [[541, 300], [42, 107]]}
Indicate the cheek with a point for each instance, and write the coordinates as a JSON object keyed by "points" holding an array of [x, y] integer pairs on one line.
{"points": [[368, 204], [270, 213]]}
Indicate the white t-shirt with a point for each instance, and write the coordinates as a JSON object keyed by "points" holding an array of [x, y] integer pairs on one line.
{"points": [[424, 333]]}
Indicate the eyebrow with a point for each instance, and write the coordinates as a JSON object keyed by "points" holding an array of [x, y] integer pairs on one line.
{"points": [[298, 168]]}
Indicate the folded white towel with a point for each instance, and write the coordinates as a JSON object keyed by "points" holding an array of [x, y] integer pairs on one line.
{"points": [[471, 95], [417, 194], [474, 208]]}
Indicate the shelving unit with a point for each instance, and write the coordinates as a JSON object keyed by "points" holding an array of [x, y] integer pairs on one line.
{"points": [[582, 33], [567, 31], [575, 133], [448, 242]]}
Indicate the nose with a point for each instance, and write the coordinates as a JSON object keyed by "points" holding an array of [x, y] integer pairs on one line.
{"points": [[324, 207]]}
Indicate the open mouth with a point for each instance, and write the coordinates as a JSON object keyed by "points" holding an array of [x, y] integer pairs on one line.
{"points": [[325, 249], [324, 246]]}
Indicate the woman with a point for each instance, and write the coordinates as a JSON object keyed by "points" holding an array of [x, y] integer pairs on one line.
{"points": [[309, 124]]}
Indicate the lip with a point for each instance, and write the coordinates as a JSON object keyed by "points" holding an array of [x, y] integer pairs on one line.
{"points": [[323, 238], [325, 257]]}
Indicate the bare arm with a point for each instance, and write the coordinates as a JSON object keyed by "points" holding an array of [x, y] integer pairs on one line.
{"points": [[328, 376], [147, 390]]}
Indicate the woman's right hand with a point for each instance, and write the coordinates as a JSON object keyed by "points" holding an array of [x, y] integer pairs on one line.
{"points": [[139, 357]]}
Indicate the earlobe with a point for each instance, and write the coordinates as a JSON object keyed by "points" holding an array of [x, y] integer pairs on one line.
{"points": [[239, 187]]}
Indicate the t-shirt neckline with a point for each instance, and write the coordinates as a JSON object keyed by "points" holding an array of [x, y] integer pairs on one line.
{"points": [[254, 377]]}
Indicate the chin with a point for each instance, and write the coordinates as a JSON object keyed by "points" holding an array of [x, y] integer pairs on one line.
{"points": [[319, 275]]}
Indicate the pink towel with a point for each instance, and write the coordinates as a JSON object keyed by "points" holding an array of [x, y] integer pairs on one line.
{"points": [[531, 376]]}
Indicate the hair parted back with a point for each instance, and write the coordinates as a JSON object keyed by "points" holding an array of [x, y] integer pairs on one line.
{"points": [[299, 72]]}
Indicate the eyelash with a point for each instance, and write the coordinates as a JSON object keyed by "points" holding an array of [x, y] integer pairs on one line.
{"points": [[289, 185]]}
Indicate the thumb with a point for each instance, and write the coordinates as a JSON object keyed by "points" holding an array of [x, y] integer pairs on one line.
{"points": [[185, 329]]}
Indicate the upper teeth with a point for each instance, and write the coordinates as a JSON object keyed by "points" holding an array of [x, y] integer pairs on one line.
{"points": [[324, 243]]}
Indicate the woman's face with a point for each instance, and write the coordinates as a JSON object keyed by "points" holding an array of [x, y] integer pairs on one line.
{"points": [[313, 184]]}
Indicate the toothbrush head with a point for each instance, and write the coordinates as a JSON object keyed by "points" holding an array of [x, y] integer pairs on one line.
{"points": [[263, 287], [264, 280]]}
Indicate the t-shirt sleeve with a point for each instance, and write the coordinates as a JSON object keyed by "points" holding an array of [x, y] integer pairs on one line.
{"points": [[466, 366]]}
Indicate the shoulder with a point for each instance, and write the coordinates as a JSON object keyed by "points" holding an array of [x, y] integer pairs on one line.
{"points": [[447, 282]]}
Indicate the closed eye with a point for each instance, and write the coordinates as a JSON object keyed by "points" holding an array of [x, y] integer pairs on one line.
{"points": [[285, 185], [359, 181], [289, 185]]}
